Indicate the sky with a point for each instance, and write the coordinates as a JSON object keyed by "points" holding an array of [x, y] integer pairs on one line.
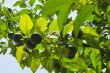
{"points": [[8, 63]]}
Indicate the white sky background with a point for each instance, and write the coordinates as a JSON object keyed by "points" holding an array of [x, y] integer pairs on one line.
{"points": [[8, 63]]}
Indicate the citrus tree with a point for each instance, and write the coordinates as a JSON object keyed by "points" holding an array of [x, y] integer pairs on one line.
{"points": [[44, 32]]}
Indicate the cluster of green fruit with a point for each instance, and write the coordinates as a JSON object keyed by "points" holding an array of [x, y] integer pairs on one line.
{"points": [[30, 42], [33, 40], [17, 38]]}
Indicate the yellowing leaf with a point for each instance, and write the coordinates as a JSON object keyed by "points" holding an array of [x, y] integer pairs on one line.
{"points": [[19, 53], [26, 24], [41, 24]]}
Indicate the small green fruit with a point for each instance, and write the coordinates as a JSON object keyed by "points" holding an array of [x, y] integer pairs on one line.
{"points": [[36, 38], [17, 38], [30, 44]]}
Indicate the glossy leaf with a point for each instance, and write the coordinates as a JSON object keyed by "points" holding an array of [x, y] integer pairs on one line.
{"points": [[19, 53], [62, 17], [26, 24], [82, 17], [52, 6]]}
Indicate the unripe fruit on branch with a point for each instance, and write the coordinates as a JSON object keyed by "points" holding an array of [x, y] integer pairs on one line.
{"points": [[36, 38], [17, 38], [30, 44]]}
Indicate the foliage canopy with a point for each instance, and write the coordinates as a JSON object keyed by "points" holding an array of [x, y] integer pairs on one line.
{"points": [[42, 33]]}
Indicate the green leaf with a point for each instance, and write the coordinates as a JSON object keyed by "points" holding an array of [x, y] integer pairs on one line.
{"points": [[89, 30], [91, 41], [47, 63], [20, 3], [63, 16], [3, 27], [31, 2], [94, 55], [81, 63], [23, 5], [24, 11], [17, 3], [41, 24], [3, 50], [99, 67], [87, 52], [41, 1], [40, 47], [52, 6], [68, 28], [89, 70], [34, 63], [37, 7], [53, 26], [19, 53], [95, 58], [97, 10], [108, 44], [82, 17], [108, 65], [24, 63], [26, 24], [78, 64]]}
